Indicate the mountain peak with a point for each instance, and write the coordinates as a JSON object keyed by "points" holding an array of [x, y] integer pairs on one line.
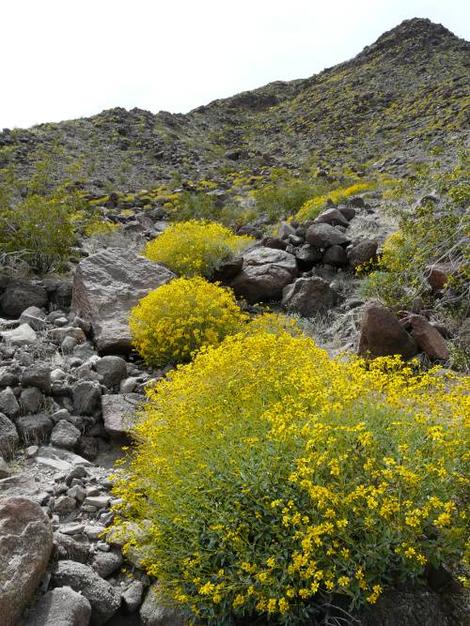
{"points": [[416, 33]]}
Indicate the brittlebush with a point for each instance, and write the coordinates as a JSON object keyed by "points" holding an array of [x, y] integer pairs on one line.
{"points": [[268, 477], [170, 323], [195, 248]]}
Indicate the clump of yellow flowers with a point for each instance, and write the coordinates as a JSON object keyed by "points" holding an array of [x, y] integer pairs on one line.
{"points": [[196, 247], [267, 477], [177, 319]]}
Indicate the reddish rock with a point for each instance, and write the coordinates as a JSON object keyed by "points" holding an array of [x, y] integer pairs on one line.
{"points": [[383, 335], [25, 548], [362, 252], [428, 338], [438, 275]]}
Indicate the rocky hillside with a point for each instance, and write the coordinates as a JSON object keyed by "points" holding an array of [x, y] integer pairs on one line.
{"points": [[401, 97], [335, 151]]}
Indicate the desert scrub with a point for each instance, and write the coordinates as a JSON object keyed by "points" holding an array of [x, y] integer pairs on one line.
{"points": [[312, 207], [195, 247], [170, 323], [267, 477], [284, 195], [430, 233]]}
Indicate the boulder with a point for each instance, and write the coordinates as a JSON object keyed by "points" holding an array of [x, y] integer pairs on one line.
{"points": [[154, 612], [265, 272], [119, 413], [112, 370], [383, 335], [86, 397], [325, 236], [8, 437], [65, 435], [104, 599], [335, 256], [132, 596], [333, 217], [25, 548], [60, 607], [413, 608], [307, 256], [35, 317], [105, 288], [31, 400], [19, 296], [37, 376], [437, 275], [23, 335], [8, 403], [428, 338], [308, 296], [362, 252]]}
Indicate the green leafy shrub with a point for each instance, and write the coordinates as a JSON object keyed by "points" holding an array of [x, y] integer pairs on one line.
{"points": [[284, 196], [267, 478], [172, 322], [195, 247]]}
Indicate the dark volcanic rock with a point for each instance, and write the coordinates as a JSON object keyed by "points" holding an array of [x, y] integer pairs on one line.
{"points": [[60, 607], [382, 334], [308, 296], [18, 296], [325, 235], [265, 272]]}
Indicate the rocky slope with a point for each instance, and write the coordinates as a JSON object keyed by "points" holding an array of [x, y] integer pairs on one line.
{"points": [[394, 102], [69, 383]]}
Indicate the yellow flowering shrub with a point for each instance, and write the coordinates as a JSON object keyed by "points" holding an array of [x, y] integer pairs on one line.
{"points": [[195, 247], [175, 320], [268, 477], [311, 208]]}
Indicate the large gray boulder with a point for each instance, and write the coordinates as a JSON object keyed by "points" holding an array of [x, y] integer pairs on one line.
{"points": [[105, 288], [119, 413], [60, 607], [103, 597], [382, 334], [265, 272], [308, 296], [25, 548], [325, 236]]}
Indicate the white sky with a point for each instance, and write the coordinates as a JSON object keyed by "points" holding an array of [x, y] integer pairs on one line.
{"points": [[62, 59]]}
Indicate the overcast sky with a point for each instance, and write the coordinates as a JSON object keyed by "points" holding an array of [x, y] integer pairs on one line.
{"points": [[63, 59]]}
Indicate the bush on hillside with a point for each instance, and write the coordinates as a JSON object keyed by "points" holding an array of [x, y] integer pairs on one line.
{"points": [[284, 196], [430, 233], [172, 322], [195, 247], [267, 478]]}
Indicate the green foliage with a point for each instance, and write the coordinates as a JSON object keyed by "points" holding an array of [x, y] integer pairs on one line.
{"points": [[429, 234], [285, 195], [314, 205], [36, 222], [177, 319], [195, 247], [267, 478]]}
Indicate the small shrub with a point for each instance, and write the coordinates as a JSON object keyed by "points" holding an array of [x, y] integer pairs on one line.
{"points": [[312, 207], [195, 247], [267, 478], [284, 197], [172, 322]]}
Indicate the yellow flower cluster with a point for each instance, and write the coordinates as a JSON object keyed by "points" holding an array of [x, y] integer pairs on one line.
{"points": [[311, 208], [268, 476], [195, 248], [177, 319]]}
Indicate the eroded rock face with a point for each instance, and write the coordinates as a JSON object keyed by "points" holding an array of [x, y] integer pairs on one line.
{"points": [[308, 296], [106, 286], [25, 548], [428, 338], [382, 334], [265, 272]]}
